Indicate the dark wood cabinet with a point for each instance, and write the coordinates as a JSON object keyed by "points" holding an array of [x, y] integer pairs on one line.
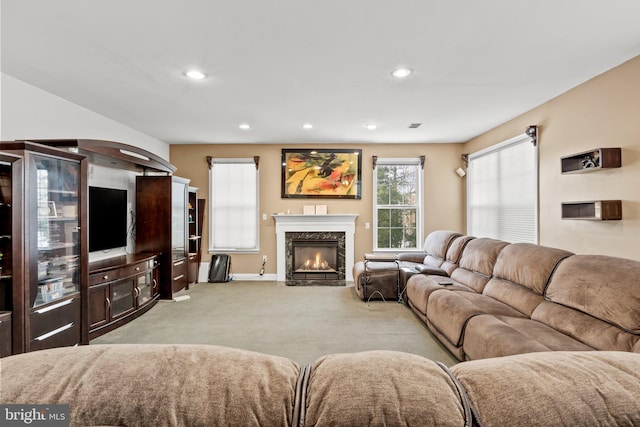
{"points": [[121, 289], [195, 234], [49, 299], [11, 255], [161, 227]]}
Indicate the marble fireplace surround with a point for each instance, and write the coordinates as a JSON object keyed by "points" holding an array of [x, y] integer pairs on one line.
{"points": [[292, 223]]}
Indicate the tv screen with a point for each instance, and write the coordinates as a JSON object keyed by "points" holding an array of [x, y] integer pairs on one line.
{"points": [[107, 218]]}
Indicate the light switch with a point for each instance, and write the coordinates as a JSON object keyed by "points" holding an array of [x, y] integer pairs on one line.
{"points": [[264, 216], [367, 225]]}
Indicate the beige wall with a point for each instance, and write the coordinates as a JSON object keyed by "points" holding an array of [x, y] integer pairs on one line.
{"points": [[603, 112], [444, 206]]}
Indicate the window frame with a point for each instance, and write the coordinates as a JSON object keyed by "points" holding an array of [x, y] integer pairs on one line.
{"points": [[419, 205], [256, 222]]}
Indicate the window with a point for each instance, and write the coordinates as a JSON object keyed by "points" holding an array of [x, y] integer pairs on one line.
{"points": [[398, 199], [502, 191], [233, 195]]}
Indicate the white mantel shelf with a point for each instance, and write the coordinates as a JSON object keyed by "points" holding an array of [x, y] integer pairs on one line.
{"points": [[310, 223]]}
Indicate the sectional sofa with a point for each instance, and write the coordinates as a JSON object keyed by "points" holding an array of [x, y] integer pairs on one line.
{"points": [[486, 298], [198, 385]]}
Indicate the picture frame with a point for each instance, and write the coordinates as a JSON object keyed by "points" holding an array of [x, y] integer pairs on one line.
{"points": [[321, 173]]}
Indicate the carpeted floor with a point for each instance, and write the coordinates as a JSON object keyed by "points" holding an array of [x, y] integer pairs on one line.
{"points": [[301, 323]]}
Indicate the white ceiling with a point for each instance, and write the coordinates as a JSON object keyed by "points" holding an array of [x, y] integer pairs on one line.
{"points": [[277, 64]]}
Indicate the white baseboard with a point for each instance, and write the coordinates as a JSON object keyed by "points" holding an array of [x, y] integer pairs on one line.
{"points": [[203, 275]]}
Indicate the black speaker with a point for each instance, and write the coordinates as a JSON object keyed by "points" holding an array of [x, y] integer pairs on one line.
{"points": [[219, 268]]}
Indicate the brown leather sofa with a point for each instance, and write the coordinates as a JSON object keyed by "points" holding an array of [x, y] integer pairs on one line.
{"points": [[484, 298], [197, 385], [504, 299]]}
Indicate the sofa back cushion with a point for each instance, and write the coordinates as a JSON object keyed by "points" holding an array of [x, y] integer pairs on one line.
{"points": [[381, 388], [155, 384], [455, 252], [604, 287], [522, 273], [555, 388], [436, 245], [477, 261]]}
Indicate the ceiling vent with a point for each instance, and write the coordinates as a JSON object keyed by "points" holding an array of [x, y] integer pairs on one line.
{"points": [[414, 125]]}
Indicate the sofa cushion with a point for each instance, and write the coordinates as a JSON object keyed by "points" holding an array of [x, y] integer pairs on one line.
{"points": [[496, 336], [554, 389], [594, 332], [381, 388], [437, 243], [455, 252], [477, 261], [604, 287], [521, 274], [155, 384], [419, 287], [528, 265], [449, 311]]}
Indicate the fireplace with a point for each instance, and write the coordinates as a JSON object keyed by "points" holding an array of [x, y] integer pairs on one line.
{"points": [[333, 227], [314, 259]]}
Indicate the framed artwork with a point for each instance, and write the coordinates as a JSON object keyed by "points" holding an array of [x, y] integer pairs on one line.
{"points": [[321, 173]]}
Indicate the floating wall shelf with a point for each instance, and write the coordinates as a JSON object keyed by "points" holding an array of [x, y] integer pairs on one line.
{"points": [[592, 160], [595, 210]]}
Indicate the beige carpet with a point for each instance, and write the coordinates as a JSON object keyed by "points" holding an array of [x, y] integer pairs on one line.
{"points": [[301, 323]]}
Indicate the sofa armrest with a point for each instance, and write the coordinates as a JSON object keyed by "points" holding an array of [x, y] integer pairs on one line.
{"points": [[416, 257], [435, 271]]}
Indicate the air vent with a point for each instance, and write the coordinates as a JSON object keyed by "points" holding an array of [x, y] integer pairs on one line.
{"points": [[414, 125]]}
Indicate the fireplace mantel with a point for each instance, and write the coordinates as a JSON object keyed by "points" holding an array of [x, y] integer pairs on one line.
{"points": [[309, 223]]}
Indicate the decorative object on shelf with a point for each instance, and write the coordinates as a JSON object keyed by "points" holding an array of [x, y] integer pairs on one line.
{"points": [[308, 210], [592, 160], [321, 173], [321, 209]]}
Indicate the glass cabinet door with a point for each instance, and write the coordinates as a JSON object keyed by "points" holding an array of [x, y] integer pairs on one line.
{"points": [[144, 285], [122, 298], [178, 220], [57, 232]]}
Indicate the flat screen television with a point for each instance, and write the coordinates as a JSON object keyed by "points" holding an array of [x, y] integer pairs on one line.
{"points": [[107, 218]]}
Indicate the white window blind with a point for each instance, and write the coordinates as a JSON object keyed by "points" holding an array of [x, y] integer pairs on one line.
{"points": [[233, 216], [502, 191]]}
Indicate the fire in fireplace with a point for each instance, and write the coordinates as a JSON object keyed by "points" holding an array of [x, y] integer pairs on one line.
{"points": [[315, 259]]}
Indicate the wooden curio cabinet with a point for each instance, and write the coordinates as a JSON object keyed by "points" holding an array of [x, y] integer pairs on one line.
{"points": [[52, 311], [11, 255], [162, 227]]}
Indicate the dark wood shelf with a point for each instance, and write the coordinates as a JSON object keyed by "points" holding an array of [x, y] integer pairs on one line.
{"points": [[595, 210], [592, 160]]}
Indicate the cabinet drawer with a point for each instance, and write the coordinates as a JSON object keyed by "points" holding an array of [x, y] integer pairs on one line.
{"points": [[132, 270], [65, 337], [46, 320], [104, 277], [179, 275]]}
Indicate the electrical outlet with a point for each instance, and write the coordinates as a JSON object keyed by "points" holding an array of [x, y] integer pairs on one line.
{"points": [[264, 258]]}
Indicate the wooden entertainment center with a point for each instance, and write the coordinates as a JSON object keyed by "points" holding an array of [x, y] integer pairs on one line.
{"points": [[51, 294]]}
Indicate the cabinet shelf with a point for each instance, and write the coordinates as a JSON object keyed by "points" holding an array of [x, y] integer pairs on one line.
{"points": [[591, 161], [595, 210]]}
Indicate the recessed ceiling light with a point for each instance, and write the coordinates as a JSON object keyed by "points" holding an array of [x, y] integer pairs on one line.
{"points": [[195, 74], [307, 126], [371, 126], [401, 72], [244, 126]]}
